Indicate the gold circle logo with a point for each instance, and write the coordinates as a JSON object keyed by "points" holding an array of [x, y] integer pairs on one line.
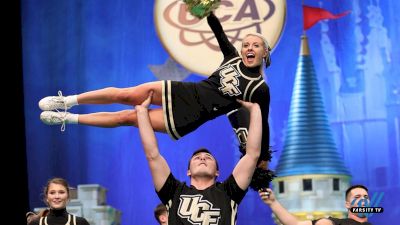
{"points": [[190, 41]]}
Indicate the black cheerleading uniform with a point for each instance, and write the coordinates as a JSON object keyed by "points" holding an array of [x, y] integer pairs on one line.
{"points": [[188, 105], [186, 205], [346, 221], [60, 217]]}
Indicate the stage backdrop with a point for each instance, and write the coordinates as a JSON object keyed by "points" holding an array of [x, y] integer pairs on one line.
{"points": [[76, 46]]}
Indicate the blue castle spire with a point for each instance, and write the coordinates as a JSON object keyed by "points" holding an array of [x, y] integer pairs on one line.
{"points": [[309, 147]]}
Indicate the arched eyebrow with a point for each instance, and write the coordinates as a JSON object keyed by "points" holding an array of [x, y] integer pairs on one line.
{"points": [[255, 42]]}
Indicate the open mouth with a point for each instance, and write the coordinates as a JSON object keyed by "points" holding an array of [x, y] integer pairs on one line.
{"points": [[250, 57]]}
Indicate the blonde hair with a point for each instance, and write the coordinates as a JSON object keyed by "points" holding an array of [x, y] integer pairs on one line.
{"points": [[266, 45]]}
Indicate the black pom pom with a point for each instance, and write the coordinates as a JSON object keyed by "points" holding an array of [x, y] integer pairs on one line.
{"points": [[261, 179]]}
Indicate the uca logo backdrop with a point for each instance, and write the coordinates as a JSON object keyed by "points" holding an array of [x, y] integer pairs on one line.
{"points": [[190, 41]]}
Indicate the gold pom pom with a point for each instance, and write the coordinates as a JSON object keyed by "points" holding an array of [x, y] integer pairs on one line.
{"points": [[201, 8]]}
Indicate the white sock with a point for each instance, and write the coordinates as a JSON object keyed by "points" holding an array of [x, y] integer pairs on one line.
{"points": [[72, 118], [71, 100]]}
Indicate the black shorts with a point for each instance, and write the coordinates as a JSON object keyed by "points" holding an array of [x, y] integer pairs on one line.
{"points": [[188, 105]]}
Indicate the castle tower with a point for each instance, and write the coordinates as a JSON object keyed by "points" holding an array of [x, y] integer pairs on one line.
{"points": [[311, 175]]}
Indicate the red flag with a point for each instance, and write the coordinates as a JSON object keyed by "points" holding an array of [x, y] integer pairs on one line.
{"points": [[312, 15]]}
